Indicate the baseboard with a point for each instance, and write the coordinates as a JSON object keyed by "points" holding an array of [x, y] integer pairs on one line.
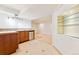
{"points": [[57, 50]]}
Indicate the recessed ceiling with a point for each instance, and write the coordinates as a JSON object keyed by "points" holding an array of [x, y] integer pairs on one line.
{"points": [[31, 11]]}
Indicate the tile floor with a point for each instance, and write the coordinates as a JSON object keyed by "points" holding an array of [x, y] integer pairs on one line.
{"points": [[44, 38], [35, 47]]}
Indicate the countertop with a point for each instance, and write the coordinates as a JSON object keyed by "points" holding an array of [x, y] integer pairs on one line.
{"points": [[15, 31], [3, 32], [26, 30]]}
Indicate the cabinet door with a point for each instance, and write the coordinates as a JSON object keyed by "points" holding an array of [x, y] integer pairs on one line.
{"points": [[27, 36], [6, 44], [22, 36], [1, 45], [13, 42]]}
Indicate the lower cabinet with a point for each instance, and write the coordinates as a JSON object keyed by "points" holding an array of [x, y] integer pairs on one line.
{"points": [[1, 45], [23, 36], [13, 42], [8, 43]]}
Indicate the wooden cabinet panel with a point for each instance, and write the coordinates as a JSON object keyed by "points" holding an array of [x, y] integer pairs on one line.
{"points": [[1, 45], [23, 36], [13, 42], [8, 43], [27, 36]]}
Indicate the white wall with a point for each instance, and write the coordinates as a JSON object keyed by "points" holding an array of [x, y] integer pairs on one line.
{"points": [[43, 25], [23, 23], [65, 44], [13, 23], [45, 28]]}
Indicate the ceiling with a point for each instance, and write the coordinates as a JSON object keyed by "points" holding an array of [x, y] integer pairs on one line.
{"points": [[47, 19], [29, 11]]}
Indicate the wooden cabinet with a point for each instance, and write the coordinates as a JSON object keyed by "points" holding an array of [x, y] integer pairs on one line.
{"points": [[13, 41], [1, 45], [23, 36], [8, 43], [27, 36]]}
